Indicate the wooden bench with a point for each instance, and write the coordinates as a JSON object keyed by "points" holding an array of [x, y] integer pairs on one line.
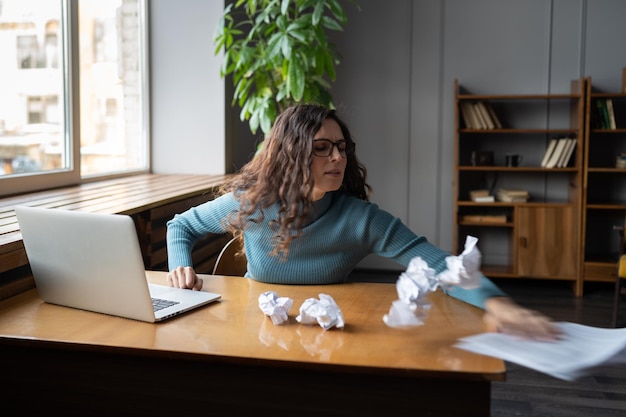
{"points": [[150, 199]]}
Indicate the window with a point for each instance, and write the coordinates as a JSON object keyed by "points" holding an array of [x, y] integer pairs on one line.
{"points": [[74, 102]]}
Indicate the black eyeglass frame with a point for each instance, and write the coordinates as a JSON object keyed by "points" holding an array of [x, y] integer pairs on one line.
{"points": [[345, 152]]}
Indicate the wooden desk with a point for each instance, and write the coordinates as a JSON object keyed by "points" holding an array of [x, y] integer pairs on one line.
{"points": [[228, 357]]}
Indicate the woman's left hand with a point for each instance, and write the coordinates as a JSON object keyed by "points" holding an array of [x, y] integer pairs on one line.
{"points": [[504, 315]]}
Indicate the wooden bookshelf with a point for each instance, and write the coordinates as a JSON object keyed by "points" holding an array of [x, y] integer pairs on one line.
{"points": [[604, 192], [541, 236]]}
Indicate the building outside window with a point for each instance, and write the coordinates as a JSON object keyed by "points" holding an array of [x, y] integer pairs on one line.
{"points": [[74, 96]]}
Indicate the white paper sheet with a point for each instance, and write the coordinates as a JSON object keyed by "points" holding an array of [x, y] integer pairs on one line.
{"points": [[580, 349]]}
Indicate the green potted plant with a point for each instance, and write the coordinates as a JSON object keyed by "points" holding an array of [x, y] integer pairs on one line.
{"points": [[278, 54]]}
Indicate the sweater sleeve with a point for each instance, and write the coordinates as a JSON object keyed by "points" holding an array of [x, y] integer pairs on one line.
{"points": [[185, 229], [477, 296], [395, 240]]}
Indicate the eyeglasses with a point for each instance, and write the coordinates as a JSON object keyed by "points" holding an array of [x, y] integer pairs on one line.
{"points": [[324, 147]]}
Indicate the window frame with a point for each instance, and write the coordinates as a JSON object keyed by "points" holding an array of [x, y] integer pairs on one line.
{"points": [[40, 181]]}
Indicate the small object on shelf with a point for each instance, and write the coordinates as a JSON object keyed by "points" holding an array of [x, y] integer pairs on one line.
{"points": [[482, 158], [512, 195], [620, 161], [513, 160]]}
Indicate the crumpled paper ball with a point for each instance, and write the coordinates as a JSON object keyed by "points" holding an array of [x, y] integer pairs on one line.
{"points": [[463, 270], [277, 308], [413, 285], [324, 311]]}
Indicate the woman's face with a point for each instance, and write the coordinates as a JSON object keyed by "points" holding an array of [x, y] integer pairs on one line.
{"points": [[328, 170]]}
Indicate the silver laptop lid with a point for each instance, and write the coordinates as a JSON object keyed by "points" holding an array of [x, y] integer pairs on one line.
{"points": [[87, 261]]}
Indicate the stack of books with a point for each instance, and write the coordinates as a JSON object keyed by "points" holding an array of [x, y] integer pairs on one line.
{"points": [[508, 195], [481, 196], [479, 115], [558, 153]]}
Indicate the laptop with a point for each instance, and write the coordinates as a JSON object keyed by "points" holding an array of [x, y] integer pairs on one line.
{"points": [[93, 262]]}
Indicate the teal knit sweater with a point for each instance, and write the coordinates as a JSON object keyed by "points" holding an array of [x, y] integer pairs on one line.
{"points": [[344, 231]]}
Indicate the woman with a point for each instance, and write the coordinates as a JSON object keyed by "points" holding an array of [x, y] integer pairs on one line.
{"points": [[302, 208]]}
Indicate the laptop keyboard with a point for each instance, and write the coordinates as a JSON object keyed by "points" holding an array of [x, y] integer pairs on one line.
{"points": [[160, 304]]}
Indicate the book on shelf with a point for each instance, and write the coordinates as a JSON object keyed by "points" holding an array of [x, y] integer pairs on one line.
{"points": [[599, 112], [481, 196], [485, 199], [508, 195], [494, 116], [484, 218], [482, 109], [609, 110], [482, 122], [479, 115], [555, 157], [470, 118], [549, 150], [466, 115], [568, 142], [567, 153]]}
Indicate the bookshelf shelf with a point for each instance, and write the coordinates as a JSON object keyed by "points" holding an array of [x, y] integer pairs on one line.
{"points": [[541, 235], [485, 224], [522, 131], [608, 170], [518, 97], [608, 131], [606, 205], [523, 169]]}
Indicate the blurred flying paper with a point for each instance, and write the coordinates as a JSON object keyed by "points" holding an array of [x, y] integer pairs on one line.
{"points": [[579, 350]]}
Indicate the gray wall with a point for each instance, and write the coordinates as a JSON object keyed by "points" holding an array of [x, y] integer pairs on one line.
{"points": [[394, 86], [187, 93]]}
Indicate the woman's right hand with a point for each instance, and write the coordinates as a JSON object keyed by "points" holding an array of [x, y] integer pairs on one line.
{"points": [[184, 277]]}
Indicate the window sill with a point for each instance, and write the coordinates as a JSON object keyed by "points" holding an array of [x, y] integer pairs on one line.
{"points": [[151, 199]]}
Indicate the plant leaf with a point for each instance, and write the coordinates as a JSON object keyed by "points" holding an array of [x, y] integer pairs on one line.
{"points": [[317, 12], [337, 11], [330, 23], [296, 79], [285, 46]]}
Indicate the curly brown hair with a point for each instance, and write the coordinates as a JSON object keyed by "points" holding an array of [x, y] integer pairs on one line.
{"points": [[281, 174]]}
